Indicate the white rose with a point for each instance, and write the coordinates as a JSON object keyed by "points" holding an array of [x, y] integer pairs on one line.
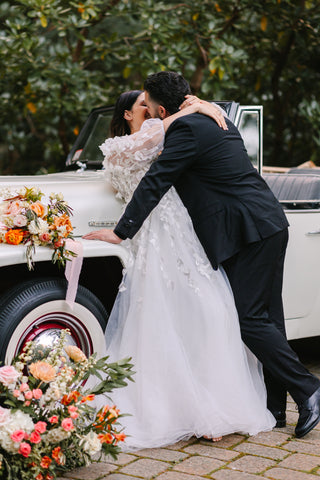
{"points": [[20, 221], [37, 228], [91, 443]]}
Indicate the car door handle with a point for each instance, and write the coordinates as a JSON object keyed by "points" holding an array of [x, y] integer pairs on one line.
{"points": [[315, 232]]}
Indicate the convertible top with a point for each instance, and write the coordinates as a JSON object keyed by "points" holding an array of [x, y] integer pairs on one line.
{"points": [[295, 190]]}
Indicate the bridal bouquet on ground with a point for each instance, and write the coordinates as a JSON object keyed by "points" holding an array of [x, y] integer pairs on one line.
{"points": [[25, 219], [47, 423]]}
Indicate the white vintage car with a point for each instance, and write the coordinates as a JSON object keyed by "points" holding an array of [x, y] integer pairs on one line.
{"points": [[33, 305]]}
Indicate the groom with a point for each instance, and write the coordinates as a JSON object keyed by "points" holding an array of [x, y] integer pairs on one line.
{"points": [[241, 226]]}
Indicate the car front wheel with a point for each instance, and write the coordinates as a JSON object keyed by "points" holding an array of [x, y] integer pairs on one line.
{"points": [[36, 310]]}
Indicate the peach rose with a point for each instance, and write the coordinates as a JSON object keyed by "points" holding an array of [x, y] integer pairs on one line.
{"points": [[40, 427], [42, 371], [67, 424], [14, 236], [37, 393], [24, 449], [28, 395], [54, 419], [17, 436], [8, 375], [24, 387], [63, 221], [45, 237], [73, 411], [35, 437], [75, 353], [39, 209]]}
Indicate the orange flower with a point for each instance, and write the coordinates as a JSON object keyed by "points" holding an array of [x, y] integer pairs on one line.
{"points": [[70, 397], [113, 412], [42, 371], [38, 208], [58, 456], [39, 476], [75, 353], [63, 221], [120, 437], [105, 438], [45, 462], [88, 398], [14, 236]]}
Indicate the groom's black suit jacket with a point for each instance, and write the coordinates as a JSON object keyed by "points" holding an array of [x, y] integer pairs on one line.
{"points": [[228, 201]]}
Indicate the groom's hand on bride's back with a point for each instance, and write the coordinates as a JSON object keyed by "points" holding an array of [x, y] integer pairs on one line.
{"points": [[105, 235]]}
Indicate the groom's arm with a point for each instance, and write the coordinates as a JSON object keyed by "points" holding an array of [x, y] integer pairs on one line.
{"points": [[178, 155]]}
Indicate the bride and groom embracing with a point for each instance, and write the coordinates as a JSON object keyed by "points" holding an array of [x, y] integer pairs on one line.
{"points": [[200, 307]]}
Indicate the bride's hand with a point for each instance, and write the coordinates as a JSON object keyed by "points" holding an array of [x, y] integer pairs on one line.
{"points": [[189, 100], [205, 108], [105, 235]]}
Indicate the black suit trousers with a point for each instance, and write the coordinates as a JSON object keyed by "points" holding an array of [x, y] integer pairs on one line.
{"points": [[255, 275]]}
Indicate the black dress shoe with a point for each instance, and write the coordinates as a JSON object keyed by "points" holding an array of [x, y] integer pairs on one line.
{"points": [[280, 417], [309, 414]]}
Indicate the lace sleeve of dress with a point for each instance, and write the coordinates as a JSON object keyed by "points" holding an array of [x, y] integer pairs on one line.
{"points": [[143, 146]]}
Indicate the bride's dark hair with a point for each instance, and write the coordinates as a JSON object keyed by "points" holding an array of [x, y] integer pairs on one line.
{"points": [[119, 125]]}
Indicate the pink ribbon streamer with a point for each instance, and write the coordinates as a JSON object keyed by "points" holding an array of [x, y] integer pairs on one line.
{"points": [[73, 269]]}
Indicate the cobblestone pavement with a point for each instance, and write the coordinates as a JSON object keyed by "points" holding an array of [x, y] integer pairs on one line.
{"points": [[275, 455]]}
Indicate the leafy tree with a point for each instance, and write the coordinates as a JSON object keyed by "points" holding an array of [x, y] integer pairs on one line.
{"points": [[59, 59]]}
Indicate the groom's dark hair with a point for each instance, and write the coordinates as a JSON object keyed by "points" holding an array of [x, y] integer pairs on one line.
{"points": [[168, 89]]}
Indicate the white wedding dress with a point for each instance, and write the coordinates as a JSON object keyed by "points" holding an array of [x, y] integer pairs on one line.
{"points": [[176, 317]]}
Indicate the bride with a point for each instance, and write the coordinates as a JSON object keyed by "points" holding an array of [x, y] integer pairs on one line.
{"points": [[174, 314]]}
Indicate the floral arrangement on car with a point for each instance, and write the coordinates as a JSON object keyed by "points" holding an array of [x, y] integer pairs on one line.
{"points": [[25, 219], [47, 425]]}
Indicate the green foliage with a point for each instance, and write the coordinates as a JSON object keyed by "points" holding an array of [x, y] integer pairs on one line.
{"points": [[59, 59]]}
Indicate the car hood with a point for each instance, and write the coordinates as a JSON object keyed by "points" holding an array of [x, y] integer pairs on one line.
{"points": [[91, 197]]}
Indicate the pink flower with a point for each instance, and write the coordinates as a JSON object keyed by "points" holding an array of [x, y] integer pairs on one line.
{"points": [[73, 411], [27, 403], [28, 395], [14, 208], [17, 436], [8, 375], [16, 393], [37, 393], [24, 387], [54, 419], [40, 427], [24, 449], [67, 424], [35, 437], [45, 237], [20, 221]]}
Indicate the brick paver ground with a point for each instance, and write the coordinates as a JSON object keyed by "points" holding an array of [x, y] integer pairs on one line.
{"points": [[275, 455]]}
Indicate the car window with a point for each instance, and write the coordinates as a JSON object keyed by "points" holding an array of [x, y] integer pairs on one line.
{"points": [[250, 126]]}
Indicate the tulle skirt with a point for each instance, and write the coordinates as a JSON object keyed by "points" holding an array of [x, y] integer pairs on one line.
{"points": [[175, 316]]}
